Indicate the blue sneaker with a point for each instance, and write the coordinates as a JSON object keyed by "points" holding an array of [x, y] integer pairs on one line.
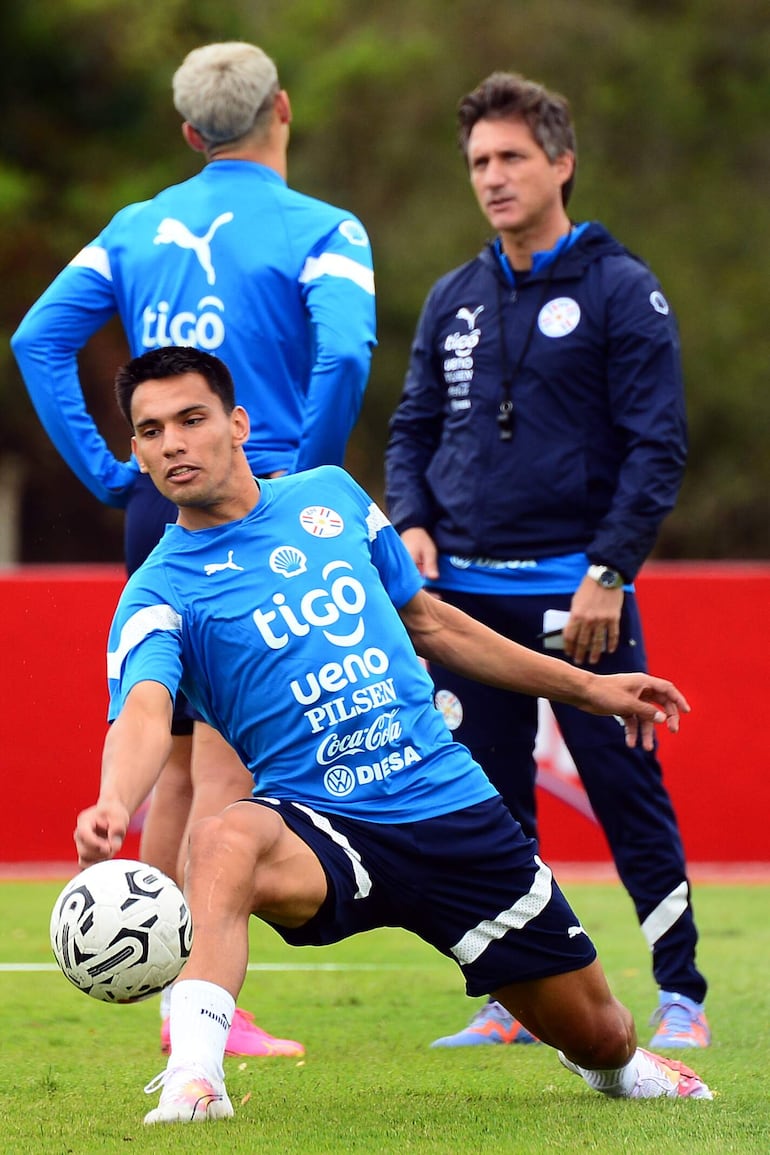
{"points": [[492, 1024], [681, 1022]]}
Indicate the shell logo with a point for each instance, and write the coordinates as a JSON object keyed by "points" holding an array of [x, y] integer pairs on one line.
{"points": [[288, 561]]}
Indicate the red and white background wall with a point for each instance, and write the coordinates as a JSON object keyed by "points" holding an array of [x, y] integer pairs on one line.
{"points": [[707, 628]]}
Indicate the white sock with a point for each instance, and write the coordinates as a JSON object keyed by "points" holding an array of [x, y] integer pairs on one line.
{"points": [[618, 1082], [165, 1002], [201, 1014], [641, 1078]]}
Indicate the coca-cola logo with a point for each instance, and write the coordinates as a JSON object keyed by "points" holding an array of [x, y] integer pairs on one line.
{"points": [[384, 730]]}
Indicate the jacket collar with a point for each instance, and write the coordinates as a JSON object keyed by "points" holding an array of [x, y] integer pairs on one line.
{"points": [[584, 244]]}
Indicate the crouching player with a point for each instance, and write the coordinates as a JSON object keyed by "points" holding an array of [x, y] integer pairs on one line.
{"points": [[289, 613]]}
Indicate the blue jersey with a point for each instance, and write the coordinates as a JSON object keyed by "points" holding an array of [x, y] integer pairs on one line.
{"points": [[277, 284], [282, 630]]}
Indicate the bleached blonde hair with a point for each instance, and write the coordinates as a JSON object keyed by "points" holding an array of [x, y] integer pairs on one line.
{"points": [[224, 89]]}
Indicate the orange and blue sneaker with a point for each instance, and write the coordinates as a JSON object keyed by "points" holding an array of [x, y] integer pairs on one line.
{"points": [[681, 1022], [246, 1038], [187, 1095], [491, 1025]]}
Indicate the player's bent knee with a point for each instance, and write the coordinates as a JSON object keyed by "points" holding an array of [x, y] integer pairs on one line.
{"points": [[241, 834], [606, 1041], [217, 838]]}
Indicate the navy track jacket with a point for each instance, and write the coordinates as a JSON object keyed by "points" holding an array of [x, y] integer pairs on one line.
{"points": [[586, 349]]}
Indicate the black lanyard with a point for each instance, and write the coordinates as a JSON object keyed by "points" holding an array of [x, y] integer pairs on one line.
{"points": [[505, 410]]}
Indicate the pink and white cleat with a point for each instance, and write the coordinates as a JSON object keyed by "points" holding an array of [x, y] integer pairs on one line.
{"points": [[188, 1096], [659, 1076], [245, 1038], [654, 1078]]}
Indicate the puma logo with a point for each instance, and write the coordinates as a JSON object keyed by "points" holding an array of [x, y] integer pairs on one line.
{"points": [[174, 232], [468, 316], [218, 566]]}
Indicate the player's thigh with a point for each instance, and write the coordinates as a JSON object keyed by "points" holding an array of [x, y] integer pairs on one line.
{"points": [[472, 885], [218, 775], [167, 812], [255, 861]]}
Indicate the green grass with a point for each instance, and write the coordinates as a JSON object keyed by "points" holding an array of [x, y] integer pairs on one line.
{"points": [[73, 1069]]}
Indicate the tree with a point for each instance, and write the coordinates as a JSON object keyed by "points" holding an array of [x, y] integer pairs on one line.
{"points": [[671, 103]]}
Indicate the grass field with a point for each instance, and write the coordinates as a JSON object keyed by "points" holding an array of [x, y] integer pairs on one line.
{"points": [[74, 1069]]}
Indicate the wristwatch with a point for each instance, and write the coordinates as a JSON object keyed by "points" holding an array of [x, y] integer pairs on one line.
{"points": [[607, 578]]}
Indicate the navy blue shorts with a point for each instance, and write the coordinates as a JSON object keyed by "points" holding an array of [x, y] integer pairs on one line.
{"points": [[468, 883]]}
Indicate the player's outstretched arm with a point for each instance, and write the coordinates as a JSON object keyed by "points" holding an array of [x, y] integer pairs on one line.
{"points": [[135, 751], [441, 633], [640, 700]]}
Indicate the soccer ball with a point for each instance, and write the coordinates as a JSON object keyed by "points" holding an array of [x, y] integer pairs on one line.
{"points": [[121, 931]]}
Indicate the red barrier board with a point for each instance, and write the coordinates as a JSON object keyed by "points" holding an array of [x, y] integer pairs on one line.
{"points": [[707, 628], [53, 632]]}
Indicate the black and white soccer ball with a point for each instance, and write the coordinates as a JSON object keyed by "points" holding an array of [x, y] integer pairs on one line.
{"points": [[121, 931]]}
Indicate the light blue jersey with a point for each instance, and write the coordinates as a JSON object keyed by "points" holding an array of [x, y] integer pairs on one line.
{"points": [[278, 285], [282, 630]]}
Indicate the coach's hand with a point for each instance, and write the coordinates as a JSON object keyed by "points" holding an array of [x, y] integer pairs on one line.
{"points": [[594, 623], [422, 550]]}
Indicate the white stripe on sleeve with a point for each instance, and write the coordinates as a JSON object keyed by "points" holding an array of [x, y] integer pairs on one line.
{"points": [[375, 520], [139, 625], [335, 265], [94, 257]]}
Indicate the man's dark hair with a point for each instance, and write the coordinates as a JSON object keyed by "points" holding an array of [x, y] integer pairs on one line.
{"points": [[173, 361], [507, 95]]}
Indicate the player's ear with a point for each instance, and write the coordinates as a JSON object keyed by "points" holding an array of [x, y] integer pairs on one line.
{"points": [[283, 106], [240, 425], [564, 166], [192, 137], [135, 450]]}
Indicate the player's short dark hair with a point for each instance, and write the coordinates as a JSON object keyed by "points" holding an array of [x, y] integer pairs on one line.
{"points": [[173, 361], [507, 95]]}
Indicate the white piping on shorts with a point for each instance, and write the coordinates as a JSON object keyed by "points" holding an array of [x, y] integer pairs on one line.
{"points": [[473, 944], [363, 878]]}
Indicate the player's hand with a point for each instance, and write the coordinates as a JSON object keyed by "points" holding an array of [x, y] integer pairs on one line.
{"points": [[422, 550], [640, 702], [594, 622], [100, 832]]}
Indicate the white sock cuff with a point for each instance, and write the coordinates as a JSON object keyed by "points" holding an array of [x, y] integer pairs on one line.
{"points": [[199, 993], [615, 1082], [201, 1017]]}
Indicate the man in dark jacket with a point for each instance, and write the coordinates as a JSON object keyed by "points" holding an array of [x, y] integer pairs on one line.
{"points": [[539, 443]]}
